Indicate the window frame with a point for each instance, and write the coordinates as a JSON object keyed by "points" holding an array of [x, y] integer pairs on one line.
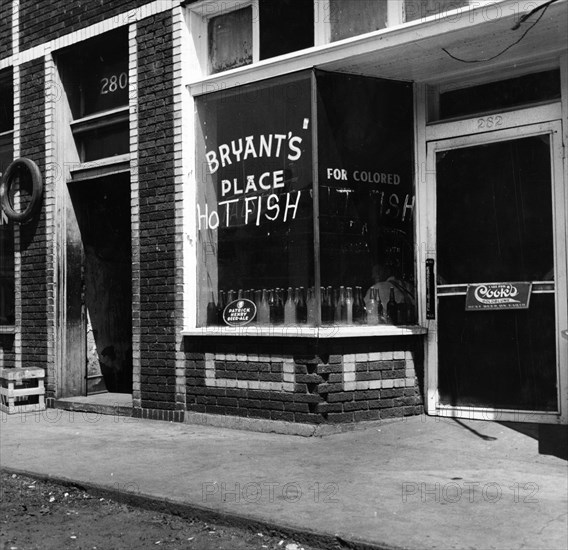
{"points": [[99, 120], [193, 325], [199, 14]]}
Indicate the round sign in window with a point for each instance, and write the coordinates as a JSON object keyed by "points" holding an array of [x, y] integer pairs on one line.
{"points": [[239, 312], [21, 190]]}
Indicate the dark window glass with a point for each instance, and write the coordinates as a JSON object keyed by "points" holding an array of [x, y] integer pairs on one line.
{"points": [[255, 208], [497, 359], [495, 212], [254, 178], [366, 195], [95, 74], [6, 101], [504, 94], [6, 152], [349, 18], [230, 40], [103, 142], [7, 288], [285, 26], [7, 296]]}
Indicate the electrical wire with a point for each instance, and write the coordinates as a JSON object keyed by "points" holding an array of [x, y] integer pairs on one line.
{"points": [[542, 7]]}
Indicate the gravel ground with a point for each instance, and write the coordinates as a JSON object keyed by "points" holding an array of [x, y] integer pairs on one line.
{"points": [[41, 515]]}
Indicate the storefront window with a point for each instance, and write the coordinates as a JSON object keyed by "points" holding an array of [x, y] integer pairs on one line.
{"points": [[365, 144], [254, 209], [257, 198]]}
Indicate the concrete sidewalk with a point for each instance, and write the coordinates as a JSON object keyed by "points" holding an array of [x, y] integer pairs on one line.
{"points": [[414, 483]]}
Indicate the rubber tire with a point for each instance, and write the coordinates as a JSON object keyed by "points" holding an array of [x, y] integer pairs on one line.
{"points": [[37, 190]]}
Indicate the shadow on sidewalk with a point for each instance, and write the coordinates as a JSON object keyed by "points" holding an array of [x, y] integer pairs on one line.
{"points": [[552, 439]]}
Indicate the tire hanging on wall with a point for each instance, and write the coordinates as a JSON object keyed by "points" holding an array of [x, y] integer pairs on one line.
{"points": [[33, 172]]}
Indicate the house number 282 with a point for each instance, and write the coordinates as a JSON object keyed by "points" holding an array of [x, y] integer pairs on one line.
{"points": [[113, 83], [489, 122]]}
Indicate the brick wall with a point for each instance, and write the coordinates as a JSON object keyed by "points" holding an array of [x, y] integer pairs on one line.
{"points": [[44, 21], [33, 238], [157, 218], [5, 28], [315, 382]]}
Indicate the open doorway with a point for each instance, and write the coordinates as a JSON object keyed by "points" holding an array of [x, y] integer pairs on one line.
{"points": [[99, 308]]}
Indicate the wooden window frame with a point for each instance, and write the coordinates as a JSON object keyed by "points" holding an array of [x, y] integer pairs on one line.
{"points": [[198, 16]]}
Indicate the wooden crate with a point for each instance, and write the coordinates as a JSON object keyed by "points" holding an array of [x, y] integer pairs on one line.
{"points": [[22, 389]]}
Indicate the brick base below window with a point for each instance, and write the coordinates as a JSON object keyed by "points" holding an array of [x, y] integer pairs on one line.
{"points": [[348, 382]]}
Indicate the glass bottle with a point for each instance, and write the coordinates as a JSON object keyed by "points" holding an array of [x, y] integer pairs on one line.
{"points": [[392, 307], [279, 306], [301, 306], [212, 311], [342, 303], [359, 311], [311, 306], [240, 294], [263, 313], [221, 307], [337, 305], [372, 308], [380, 309], [330, 305], [290, 308], [272, 306], [349, 305], [231, 296], [324, 306], [401, 312]]}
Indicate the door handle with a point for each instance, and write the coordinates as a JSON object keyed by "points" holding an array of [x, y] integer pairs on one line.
{"points": [[430, 290]]}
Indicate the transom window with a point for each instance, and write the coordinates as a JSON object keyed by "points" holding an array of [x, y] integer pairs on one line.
{"points": [[95, 77]]}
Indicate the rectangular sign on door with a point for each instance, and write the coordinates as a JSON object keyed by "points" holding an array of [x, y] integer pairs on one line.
{"points": [[495, 296]]}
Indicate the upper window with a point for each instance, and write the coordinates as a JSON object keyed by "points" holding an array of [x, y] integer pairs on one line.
{"points": [[230, 40], [348, 18], [234, 33], [285, 26], [240, 32], [95, 77], [311, 236], [7, 294]]}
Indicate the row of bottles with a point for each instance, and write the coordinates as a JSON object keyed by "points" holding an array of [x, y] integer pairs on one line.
{"points": [[340, 306]]}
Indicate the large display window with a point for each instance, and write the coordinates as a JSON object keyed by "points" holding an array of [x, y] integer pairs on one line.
{"points": [[305, 201]]}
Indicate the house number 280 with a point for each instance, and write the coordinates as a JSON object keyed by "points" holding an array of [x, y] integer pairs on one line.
{"points": [[489, 122], [113, 83]]}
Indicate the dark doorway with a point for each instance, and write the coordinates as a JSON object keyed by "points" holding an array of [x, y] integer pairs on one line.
{"points": [[102, 210]]}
